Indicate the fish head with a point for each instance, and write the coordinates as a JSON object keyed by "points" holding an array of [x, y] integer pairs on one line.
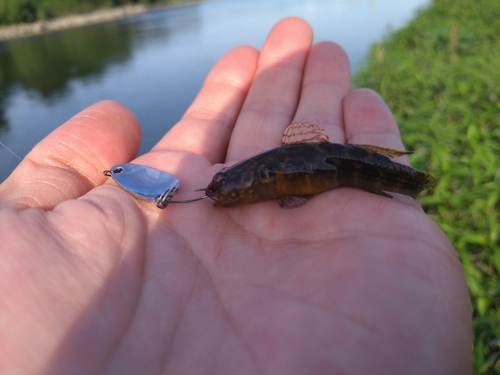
{"points": [[214, 189], [228, 189]]}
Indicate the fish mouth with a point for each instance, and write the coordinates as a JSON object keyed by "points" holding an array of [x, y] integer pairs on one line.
{"points": [[208, 193]]}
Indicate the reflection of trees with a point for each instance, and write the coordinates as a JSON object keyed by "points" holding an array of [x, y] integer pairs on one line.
{"points": [[3, 121], [5, 74], [46, 63]]}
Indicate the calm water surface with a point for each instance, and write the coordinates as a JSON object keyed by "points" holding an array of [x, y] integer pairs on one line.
{"points": [[155, 63]]}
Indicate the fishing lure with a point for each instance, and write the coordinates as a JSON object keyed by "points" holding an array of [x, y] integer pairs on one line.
{"points": [[304, 165]]}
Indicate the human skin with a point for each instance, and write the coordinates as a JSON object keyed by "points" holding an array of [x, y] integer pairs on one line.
{"points": [[93, 281]]}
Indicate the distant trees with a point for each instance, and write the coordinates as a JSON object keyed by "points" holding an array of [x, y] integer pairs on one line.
{"points": [[25, 11]]}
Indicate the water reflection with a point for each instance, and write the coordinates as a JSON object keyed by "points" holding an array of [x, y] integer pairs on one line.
{"points": [[155, 63], [43, 66]]}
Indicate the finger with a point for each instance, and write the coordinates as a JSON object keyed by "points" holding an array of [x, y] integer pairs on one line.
{"points": [[273, 97], [69, 161], [326, 82], [368, 120], [207, 125]]}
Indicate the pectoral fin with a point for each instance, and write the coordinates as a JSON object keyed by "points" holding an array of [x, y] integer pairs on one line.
{"points": [[293, 201], [390, 153], [303, 132], [379, 192]]}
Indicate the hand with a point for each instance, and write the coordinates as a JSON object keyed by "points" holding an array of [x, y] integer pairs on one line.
{"points": [[94, 281]]}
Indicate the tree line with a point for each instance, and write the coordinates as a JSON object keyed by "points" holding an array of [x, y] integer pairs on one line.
{"points": [[26, 11]]}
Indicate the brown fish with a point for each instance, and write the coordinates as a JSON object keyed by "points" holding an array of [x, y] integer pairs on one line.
{"points": [[307, 164]]}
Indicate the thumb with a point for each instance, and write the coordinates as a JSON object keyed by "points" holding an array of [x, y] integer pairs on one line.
{"points": [[69, 161]]}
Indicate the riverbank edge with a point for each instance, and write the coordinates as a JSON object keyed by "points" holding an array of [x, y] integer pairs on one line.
{"points": [[95, 17]]}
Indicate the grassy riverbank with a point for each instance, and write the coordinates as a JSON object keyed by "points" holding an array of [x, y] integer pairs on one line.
{"points": [[441, 78]]}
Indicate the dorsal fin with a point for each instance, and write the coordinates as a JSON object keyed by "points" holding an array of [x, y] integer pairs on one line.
{"points": [[390, 153], [303, 132]]}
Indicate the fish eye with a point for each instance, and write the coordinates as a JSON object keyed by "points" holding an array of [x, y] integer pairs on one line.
{"points": [[219, 178]]}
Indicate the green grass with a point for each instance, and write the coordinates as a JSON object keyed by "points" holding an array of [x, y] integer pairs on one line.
{"points": [[441, 78]]}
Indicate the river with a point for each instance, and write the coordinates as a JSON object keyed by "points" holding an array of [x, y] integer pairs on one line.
{"points": [[155, 63]]}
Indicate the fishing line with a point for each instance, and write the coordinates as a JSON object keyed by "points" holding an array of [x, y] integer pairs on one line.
{"points": [[12, 152]]}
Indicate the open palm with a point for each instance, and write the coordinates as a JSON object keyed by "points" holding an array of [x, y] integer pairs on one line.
{"points": [[93, 281]]}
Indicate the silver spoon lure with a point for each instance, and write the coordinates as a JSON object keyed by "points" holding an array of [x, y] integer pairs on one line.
{"points": [[148, 183], [142, 182]]}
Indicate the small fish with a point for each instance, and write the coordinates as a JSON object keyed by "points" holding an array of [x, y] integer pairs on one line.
{"points": [[307, 164]]}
